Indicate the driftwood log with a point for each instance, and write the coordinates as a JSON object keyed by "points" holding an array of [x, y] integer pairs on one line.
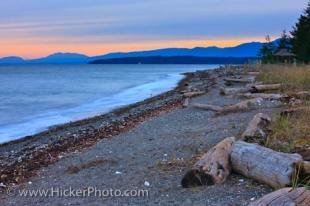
{"points": [[273, 168], [253, 73], [241, 106], [231, 91], [265, 87], [267, 96], [256, 130], [193, 94], [293, 110], [236, 80], [207, 107], [285, 197], [305, 153], [301, 95], [212, 168], [186, 102]]}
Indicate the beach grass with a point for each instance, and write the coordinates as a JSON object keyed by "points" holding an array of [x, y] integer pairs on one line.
{"points": [[288, 133], [292, 78]]}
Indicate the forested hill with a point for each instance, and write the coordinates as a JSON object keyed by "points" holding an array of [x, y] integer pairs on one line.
{"points": [[175, 60]]}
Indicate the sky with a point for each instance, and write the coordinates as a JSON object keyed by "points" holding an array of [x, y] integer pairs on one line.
{"points": [[35, 28]]}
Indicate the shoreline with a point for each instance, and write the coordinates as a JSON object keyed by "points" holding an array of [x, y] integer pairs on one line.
{"points": [[17, 156], [37, 123]]}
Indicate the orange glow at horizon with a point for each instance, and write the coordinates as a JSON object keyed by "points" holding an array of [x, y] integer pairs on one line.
{"points": [[27, 49]]}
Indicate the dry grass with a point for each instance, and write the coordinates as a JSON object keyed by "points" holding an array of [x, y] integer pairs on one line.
{"points": [[292, 132], [292, 78]]}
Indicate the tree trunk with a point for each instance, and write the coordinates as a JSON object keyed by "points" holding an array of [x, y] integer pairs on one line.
{"points": [[265, 87], [193, 94], [264, 165], [255, 132], [285, 197], [212, 168]]}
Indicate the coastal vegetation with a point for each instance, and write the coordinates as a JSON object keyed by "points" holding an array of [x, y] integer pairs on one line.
{"points": [[295, 46], [289, 132]]}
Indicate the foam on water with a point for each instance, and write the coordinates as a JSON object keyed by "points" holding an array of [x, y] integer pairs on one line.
{"points": [[31, 124]]}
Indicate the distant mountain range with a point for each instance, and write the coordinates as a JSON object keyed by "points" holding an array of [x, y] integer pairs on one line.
{"points": [[175, 60], [246, 50]]}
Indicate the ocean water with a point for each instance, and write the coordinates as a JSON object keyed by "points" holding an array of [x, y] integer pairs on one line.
{"points": [[35, 97]]}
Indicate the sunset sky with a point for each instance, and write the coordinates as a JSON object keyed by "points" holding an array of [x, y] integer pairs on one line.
{"points": [[34, 28]]}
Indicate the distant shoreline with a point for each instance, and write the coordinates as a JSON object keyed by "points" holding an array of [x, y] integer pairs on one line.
{"points": [[175, 60]]}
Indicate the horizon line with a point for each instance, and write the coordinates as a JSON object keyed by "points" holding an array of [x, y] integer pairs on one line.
{"points": [[129, 51]]}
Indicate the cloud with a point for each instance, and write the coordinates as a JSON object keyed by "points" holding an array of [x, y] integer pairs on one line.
{"points": [[122, 21]]}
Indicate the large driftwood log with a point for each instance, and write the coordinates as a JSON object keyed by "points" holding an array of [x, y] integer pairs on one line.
{"points": [[241, 106], [265, 87], [285, 197], [235, 80], [231, 91], [267, 96], [193, 94], [264, 165], [301, 95], [207, 107], [256, 130], [253, 73], [293, 110], [304, 152], [212, 168]]}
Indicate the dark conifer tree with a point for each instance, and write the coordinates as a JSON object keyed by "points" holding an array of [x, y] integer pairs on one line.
{"points": [[284, 42], [266, 52], [301, 37]]}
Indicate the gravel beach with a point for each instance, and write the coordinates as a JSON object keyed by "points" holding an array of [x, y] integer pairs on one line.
{"points": [[146, 146]]}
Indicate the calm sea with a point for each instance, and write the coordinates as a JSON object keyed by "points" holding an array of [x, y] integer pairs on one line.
{"points": [[34, 97]]}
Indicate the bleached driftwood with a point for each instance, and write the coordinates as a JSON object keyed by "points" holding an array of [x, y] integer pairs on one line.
{"points": [[230, 91], [207, 107], [186, 102], [253, 73], [306, 168], [235, 80], [301, 95], [265, 87], [290, 111], [285, 196], [264, 165], [241, 106], [263, 96], [305, 153], [212, 168], [193, 94], [255, 132]]}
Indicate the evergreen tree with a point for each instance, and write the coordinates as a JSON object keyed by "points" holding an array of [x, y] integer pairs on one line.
{"points": [[284, 42], [301, 37], [266, 52]]}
